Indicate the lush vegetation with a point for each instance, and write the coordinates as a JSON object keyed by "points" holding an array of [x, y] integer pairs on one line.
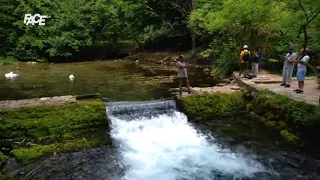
{"points": [[273, 24], [98, 28], [205, 107], [31, 132], [290, 119]]}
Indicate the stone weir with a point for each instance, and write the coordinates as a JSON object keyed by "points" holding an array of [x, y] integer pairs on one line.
{"points": [[139, 109]]}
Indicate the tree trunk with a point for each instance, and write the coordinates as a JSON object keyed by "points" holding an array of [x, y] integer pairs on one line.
{"points": [[193, 35]]}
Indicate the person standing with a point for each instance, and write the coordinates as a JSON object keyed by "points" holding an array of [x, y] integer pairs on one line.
{"points": [[182, 74], [288, 68], [244, 60], [256, 61], [301, 71]]}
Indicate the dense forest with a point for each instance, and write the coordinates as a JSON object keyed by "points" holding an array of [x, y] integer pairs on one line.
{"points": [[96, 29]]}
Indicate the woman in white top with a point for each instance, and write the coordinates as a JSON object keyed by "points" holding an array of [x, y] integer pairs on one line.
{"points": [[301, 71], [182, 74]]}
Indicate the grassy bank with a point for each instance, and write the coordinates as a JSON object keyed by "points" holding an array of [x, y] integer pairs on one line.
{"points": [[297, 123], [29, 133]]}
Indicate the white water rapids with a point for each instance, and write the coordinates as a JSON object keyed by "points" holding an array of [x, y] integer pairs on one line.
{"points": [[167, 147]]}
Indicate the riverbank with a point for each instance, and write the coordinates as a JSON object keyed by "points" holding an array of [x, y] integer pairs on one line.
{"points": [[32, 132], [285, 117]]}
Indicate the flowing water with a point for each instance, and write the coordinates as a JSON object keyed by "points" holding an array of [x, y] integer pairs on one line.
{"points": [[162, 145], [154, 141]]}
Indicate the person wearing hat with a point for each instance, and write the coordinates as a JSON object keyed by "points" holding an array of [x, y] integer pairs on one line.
{"points": [[244, 60], [182, 74], [301, 71], [288, 68]]}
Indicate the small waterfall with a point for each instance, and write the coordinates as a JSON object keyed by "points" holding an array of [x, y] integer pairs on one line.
{"points": [[132, 110], [156, 142]]}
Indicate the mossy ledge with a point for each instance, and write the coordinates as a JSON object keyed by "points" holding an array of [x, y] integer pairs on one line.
{"points": [[30, 133], [207, 106], [294, 121], [27, 155]]}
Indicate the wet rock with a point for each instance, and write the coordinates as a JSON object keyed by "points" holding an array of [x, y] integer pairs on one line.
{"points": [[235, 88]]}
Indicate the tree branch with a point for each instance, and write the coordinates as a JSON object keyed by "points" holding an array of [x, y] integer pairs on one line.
{"points": [[305, 13], [314, 16]]}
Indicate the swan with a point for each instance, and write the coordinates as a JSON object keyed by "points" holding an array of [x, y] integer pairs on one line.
{"points": [[10, 75], [71, 77]]}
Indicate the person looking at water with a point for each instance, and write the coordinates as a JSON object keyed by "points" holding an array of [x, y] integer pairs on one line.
{"points": [[256, 61], [288, 68], [182, 74], [244, 60], [302, 70]]}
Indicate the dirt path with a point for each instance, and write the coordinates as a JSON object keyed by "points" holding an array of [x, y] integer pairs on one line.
{"points": [[36, 102], [272, 82]]}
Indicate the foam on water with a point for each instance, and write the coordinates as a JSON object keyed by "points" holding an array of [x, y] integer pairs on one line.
{"points": [[167, 147]]}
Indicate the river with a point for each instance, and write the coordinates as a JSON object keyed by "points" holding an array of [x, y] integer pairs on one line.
{"points": [[152, 140]]}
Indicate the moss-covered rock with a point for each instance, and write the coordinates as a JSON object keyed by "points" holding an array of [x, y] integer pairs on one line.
{"points": [[276, 107], [54, 128], [271, 124], [3, 159], [269, 116], [289, 137], [254, 115], [27, 155], [283, 124], [206, 106], [54, 121]]}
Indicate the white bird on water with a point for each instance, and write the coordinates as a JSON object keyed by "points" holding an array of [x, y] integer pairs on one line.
{"points": [[10, 75], [71, 77]]}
